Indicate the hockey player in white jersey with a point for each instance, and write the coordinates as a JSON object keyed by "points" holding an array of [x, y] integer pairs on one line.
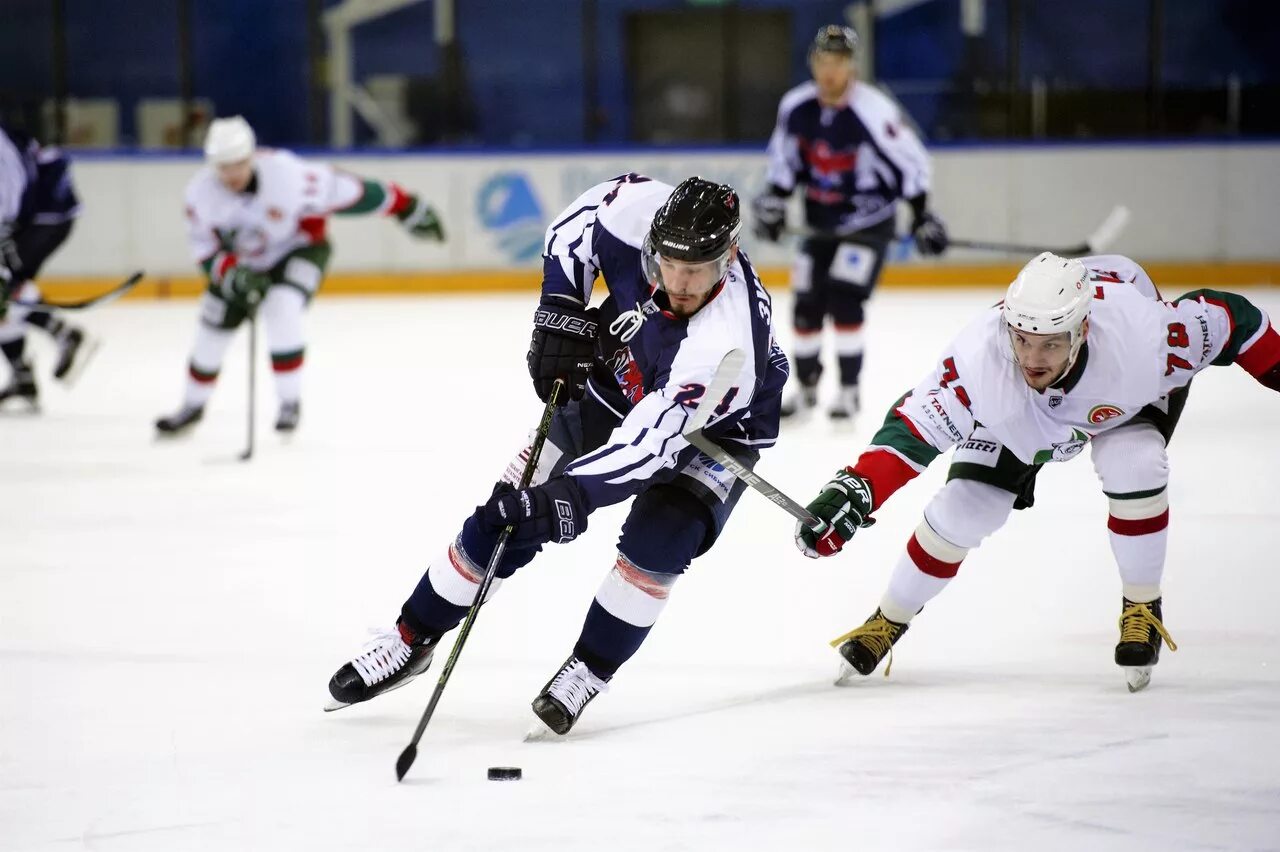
{"points": [[853, 154], [38, 206], [1080, 352], [681, 296], [256, 222]]}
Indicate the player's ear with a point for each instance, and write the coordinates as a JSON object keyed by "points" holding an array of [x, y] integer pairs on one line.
{"points": [[1084, 329]]}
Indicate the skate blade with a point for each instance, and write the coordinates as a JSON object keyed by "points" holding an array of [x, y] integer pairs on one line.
{"points": [[334, 704], [88, 348], [539, 733], [846, 674], [1137, 677]]}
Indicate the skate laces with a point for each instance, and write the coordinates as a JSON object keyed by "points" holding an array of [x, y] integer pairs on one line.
{"points": [[1135, 624], [877, 635], [631, 321], [575, 685], [383, 656]]}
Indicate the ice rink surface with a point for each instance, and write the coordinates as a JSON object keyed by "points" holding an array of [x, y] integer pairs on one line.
{"points": [[169, 619]]}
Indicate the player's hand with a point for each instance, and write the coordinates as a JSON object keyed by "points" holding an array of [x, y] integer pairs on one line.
{"points": [[843, 508], [770, 216], [930, 234], [421, 221], [563, 346], [552, 512], [244, 287]]}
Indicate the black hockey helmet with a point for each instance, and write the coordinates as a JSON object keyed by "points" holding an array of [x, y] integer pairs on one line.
{"points": [[699, 222], [834, 38]]}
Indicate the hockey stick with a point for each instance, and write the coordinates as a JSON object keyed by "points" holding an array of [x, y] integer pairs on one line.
{"points": [[253, 376], [101, 299], [1101, 237], [535, 452], [726, 374]]}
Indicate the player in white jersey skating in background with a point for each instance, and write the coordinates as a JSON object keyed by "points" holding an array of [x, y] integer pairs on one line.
{"points": [[681, 296], [1080, 352], [256, 221]]}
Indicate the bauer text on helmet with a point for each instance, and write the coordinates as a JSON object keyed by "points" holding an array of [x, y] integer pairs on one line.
{"points": [[1046, 311], [691, 242]]}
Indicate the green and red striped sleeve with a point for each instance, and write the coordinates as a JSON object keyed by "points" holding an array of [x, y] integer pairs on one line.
{"points": [[379, 197], [896, 455], [1253, 342]]}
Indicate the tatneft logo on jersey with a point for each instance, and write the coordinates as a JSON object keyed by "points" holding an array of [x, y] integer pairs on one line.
{"points": [[1101, 413]]}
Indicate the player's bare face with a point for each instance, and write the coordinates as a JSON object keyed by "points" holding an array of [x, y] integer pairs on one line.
{"points": [[1042, 358], [236, 176], [833, 73], [688, 285]]}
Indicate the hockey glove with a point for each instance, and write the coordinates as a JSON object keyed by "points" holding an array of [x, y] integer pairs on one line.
{"points": [[930, 234], [421, 220], [554, 511], [244, 287], [770, 213], [563, 346], [843, 507]]}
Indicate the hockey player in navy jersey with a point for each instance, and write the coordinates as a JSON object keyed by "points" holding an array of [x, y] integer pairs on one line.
{"points": [[38, 205], [856, 155], [681, 296]]}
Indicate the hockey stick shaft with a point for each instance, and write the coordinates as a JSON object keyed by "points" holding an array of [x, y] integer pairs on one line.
{"points": [[726, 374], [101, 299], [491, 570], [253, 385]]}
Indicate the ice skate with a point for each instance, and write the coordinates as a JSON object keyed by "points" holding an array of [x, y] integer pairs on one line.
{"points": [[75, 350], [290, 414], [180, 422], [1141, 634], [799, 402], [22, 386], [563, 698], [846, 405], [864, 647], [389, 661]]}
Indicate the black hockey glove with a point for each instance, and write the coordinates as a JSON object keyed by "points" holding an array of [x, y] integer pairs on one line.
{"points": [[553, 511], [929, 233], [421, 220], [563, 346], [843, 507], [770, 212]]}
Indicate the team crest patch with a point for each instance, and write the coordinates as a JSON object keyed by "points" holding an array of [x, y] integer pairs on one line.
{"points": [[1063, 450], [1102, 413]]}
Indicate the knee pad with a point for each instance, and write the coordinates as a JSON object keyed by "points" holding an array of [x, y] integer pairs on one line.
{"points": [[666, 529], [1131, 460], [965, 512]]}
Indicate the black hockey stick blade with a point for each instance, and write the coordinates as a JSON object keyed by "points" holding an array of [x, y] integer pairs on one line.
{"points": [[101, 299], [410, 753]]}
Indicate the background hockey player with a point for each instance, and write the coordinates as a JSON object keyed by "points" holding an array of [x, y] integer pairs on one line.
{"points": [[1080, 352], [256, 225], [681, 296], [38, 205], [856, 155]]}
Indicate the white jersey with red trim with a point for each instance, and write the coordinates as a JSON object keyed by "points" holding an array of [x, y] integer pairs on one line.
{"points": [[284, 210], [1138, 350]]}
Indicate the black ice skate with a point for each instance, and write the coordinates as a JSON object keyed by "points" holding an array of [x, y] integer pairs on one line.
{"points": [[290, 414], [182, 421], [1141, 632], [563, 698], [800, 403], [75, 350], [22, 385], [389, 661], [846, 406], [864, 647]]}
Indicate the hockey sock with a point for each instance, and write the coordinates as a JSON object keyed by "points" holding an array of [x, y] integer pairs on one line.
{"points": [[921, 572], [849, 352], [625, 608], [282, 312], [206, 361], [808, 349], [1139, 530]]}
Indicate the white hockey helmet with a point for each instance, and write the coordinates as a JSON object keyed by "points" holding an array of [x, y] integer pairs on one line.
{"points": [[1050, 295], [229, 140]]}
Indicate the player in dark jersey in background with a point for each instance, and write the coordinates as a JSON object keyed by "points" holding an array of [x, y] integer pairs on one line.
{"points": [[856, 155], [37, 207]]}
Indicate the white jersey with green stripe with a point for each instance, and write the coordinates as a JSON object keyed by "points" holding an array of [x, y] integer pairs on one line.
{"points": [[1138, 350], [284, 208]]}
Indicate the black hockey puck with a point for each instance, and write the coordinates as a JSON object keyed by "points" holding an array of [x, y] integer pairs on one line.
{"points": [[505, 773]]}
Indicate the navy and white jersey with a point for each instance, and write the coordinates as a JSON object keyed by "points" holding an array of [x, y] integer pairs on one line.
{"points": [[855, 159], [654, 366], [35, 183]]}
